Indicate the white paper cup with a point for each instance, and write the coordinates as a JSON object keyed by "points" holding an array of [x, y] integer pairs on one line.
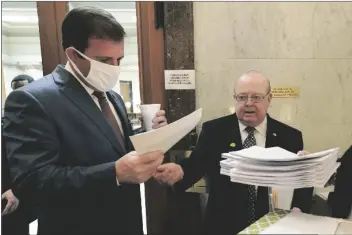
{"points": [[148, 113]]}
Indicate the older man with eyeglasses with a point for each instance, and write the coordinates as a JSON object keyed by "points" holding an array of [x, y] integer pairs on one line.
{"points": [[232, 206]]}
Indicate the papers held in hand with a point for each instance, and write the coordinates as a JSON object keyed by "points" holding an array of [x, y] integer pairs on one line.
{"points": [[166, 137], [277, 167]]}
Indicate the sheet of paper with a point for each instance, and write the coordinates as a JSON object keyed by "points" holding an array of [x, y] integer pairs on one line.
{"points": [[166, 137], [344, 227], [300, 223]]}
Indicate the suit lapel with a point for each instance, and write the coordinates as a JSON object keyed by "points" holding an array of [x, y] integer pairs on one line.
{"points": [[272, 137], [74, 91], [234, 135]]}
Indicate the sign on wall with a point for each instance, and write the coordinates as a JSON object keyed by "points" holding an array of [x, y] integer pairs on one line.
{"points": [[180, 80], [285, 92]]}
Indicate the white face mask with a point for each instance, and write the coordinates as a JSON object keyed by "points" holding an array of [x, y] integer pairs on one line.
{"points": [[101, 77]]}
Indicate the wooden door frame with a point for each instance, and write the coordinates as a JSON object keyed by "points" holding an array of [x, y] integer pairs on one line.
{"points": [[151, 55], [50, 17]]}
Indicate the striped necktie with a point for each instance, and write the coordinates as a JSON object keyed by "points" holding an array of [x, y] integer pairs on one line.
{"points": [[252, 198]]}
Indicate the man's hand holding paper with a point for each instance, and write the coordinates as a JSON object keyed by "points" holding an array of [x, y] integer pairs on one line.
{"points": [[134, 168], [169, 173]]}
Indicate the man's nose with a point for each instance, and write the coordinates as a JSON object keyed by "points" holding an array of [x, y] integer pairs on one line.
{"points": [[249, 102]]}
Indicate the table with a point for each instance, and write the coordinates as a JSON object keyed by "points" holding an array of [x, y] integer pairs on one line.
{"points": [[268, 220], [264, 222]]}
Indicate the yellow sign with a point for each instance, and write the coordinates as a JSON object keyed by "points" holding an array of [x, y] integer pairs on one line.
{"points": [[285, 92]]}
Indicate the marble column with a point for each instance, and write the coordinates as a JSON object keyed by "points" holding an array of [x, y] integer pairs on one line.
{"points": [[179, 55]]}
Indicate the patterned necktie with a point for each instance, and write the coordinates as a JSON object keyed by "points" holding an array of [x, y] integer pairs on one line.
{"points": [[106, 110], [252, 198]]}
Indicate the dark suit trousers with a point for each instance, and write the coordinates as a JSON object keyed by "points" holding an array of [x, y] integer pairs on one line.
{"points": [[15, 223]]}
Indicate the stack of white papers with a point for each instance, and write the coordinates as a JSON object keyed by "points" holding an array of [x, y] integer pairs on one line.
{"points": [[279, 168]]}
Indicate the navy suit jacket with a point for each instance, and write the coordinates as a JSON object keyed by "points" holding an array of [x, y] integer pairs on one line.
{"points": [[62, 151], [226, 211], [341, 199]]}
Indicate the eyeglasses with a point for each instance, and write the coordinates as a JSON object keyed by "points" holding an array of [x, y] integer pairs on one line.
{"points": [[253, 98]]}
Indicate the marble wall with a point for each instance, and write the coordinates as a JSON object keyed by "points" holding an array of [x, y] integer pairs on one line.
{"points": [[302, 44]]}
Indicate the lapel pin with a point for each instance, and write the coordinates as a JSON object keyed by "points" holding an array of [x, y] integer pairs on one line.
{"points": [[233, 145], [274, 134]]}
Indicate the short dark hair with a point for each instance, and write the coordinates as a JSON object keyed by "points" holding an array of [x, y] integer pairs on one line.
{"points": [[15, 83], [82, 23]]}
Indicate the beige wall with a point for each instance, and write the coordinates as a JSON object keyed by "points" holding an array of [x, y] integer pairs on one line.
{"points": [[302, 44]]}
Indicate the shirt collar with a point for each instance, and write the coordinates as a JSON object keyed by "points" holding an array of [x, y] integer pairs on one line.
{"points": [[261, 128], [70, 70]]}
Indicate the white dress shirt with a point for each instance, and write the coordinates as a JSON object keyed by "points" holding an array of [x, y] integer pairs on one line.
{"points": [[259, 134], [95, 99]]}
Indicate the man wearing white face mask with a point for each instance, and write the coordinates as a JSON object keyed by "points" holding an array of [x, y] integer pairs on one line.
{"points": [[67, 136]]}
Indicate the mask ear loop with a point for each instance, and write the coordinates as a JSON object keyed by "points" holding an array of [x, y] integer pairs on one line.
{"points": [[73, 64], [83, 55]]}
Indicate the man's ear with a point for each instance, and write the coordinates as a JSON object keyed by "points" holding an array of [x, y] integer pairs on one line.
{"points": [[270, 97]]}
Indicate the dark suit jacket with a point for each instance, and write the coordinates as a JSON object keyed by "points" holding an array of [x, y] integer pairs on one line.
{"points": [[341, 199], [5, 173], [63, 151], [226, 211], [25, 212]]}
